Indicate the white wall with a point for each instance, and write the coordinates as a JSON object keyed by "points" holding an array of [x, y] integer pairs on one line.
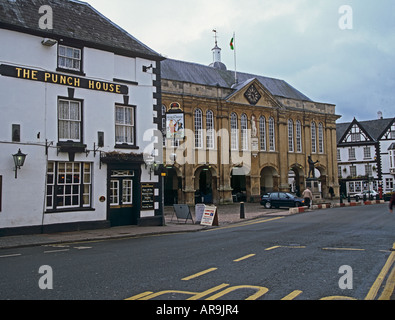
{"points": [[33, 105]]}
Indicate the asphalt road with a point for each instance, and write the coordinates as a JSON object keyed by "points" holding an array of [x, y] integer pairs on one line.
{"points": [[272, 258]]}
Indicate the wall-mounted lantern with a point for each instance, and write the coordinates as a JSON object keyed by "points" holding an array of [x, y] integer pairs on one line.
{"points": [[19, 160]]}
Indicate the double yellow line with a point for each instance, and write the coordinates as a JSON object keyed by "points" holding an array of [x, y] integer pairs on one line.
{"points": [[390, 284]]}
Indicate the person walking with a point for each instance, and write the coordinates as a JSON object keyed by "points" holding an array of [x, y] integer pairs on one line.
{"points": [[308, 196]]}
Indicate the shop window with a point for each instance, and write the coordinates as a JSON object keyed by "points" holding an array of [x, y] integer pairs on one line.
{"points": [[69, 185]]}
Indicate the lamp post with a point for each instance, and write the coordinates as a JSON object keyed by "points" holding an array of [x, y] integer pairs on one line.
{"points": [[19, 160]]}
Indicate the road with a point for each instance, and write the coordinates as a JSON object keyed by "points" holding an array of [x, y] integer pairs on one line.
{"points": [[295, 257]]}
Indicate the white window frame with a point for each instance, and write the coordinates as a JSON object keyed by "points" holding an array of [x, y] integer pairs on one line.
{"points": [[69, 58], [272, 135], [291, 136], [69, 185], [321, 138], [244, 132], [313, 137], [125, 126], [234, 133], [299, 148], [198, 119], [210, 130], [262, 132], [69, 120]]}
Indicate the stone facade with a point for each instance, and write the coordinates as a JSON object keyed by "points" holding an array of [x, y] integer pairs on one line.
{"points": [[260, 141]]}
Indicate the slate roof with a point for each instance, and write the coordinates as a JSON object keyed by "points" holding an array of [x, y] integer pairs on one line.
{"points": [[206, 75], [72, 20], [375, 128]]}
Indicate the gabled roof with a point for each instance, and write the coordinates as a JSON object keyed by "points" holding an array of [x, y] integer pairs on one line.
{"points": [[200, 74], [373, 128], [74, 20]]}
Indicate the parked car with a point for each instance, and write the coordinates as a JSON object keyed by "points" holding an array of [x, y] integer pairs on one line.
{"points": [[367, 193], [281, 199]]}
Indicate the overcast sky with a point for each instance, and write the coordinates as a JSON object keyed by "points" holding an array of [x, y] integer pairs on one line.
{"points": [[299, 41]]}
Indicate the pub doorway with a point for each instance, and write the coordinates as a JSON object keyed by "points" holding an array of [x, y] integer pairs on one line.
{"points": [[124, 198]]}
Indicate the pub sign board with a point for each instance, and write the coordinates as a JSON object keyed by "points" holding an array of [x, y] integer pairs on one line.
{"points": [[147, 197], [62, 79]]}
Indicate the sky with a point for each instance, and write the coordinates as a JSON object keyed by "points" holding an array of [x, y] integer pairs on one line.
{"points": [[342, 56]]}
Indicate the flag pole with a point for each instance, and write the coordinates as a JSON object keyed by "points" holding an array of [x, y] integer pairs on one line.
{"points": [[234, 41]]}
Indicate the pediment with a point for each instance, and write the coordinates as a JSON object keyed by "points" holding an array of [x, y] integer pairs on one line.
{"points": [[253, 93]]}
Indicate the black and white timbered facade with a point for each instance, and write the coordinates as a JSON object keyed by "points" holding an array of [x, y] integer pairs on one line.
{"points": [[366, 155]]}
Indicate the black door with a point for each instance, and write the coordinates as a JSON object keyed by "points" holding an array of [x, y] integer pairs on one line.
{"points": [[123, 197]]}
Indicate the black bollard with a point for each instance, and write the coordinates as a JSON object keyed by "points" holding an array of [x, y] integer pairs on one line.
{"points": [[242, 214]]}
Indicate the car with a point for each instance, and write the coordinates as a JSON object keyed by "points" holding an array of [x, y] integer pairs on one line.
{"points": [[367, 193], [281, 199]]}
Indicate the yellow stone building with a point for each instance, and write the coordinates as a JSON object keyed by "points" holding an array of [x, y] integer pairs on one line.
{"points": [[240, 135]]}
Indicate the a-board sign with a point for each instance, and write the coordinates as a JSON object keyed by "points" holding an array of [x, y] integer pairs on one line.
{"points": [[210, 216], [182, 212], [199, 210]]}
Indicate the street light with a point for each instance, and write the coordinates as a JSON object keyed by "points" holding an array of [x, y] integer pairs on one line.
{"points": [[19, 160]]}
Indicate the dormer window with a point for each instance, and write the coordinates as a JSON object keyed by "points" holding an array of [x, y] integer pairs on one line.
{"points": [[69, 58]]}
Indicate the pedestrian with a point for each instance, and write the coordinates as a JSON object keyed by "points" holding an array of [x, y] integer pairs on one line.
{"points": [[308, 196], [392, 201]]}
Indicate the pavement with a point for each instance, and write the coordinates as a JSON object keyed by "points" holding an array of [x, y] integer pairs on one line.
{"points": [[227, 214]]}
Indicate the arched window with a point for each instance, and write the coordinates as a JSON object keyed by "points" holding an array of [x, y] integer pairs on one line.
{"points": [[313, 137], [262, 132], [272, 136], [234, 132], [320, 138], [209, 130], [298, 136], [244, 132], [198, 129], [290, 135]]}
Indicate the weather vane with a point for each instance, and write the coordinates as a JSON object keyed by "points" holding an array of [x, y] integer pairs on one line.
{"points": [[215, 35]]}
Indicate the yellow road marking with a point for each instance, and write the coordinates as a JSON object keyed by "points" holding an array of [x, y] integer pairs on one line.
{"points": [[344, 249], [292, 295], [260, 292], [272, 248], [205, 293], [377, 284], [199, 274], [141, 295], [389, 287], [245, 257]]}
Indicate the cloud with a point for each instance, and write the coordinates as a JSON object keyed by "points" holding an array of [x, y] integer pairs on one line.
{"points": [[298, 41]]}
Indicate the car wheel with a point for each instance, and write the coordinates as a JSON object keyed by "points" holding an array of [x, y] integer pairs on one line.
{"points": [[298, 204], [268, 205]]}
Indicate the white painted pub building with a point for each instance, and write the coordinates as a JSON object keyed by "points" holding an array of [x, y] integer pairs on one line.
{"points": [[79, 97]]}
